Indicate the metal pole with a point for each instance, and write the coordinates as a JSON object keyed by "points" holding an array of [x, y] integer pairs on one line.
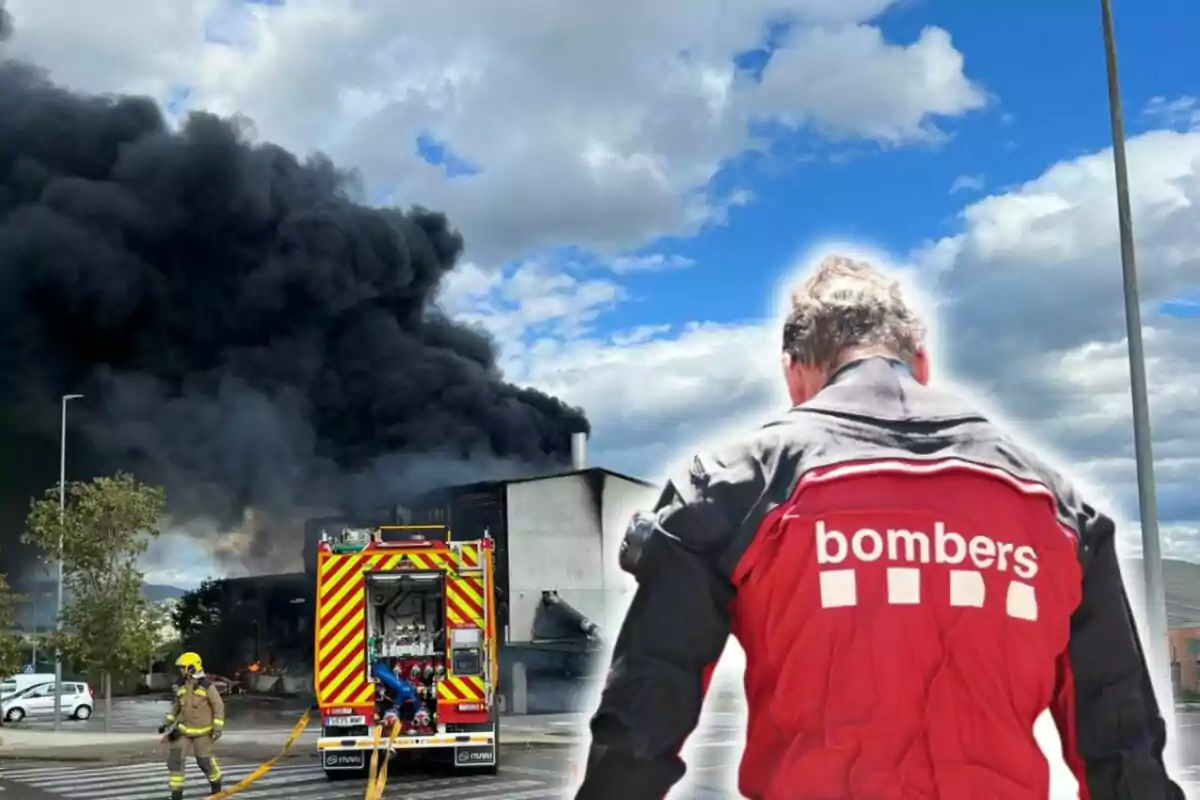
{"points": [[62, 514], [1156, 601]]}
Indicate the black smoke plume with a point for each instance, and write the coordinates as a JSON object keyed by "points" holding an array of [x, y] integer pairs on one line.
{"points": [[244, 331]]}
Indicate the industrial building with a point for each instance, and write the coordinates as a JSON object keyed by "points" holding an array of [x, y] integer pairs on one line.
{"points": [[560, 590]]}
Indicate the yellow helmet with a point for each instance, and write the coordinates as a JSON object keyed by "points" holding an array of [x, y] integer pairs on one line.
{"points": [[190, 662]]}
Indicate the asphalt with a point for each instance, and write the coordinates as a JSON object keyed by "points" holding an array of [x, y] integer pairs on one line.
{"points": [[544, 748], [520, 777]]}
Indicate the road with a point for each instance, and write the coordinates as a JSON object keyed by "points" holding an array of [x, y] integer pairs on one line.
{"points": [[302, 779], [536, 774]]}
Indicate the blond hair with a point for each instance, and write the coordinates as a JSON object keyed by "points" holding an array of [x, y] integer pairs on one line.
{"points": [[848, 305]]}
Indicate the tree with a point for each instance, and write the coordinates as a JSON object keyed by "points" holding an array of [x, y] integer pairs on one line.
{"points": [[199, 611], [106, 525], [212, 623], [10, 642]]}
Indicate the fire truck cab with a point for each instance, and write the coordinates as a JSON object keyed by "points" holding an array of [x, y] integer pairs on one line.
{"points": [[406, 636]]}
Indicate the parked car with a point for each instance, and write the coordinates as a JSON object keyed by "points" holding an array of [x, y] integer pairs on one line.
{"points": [[78, 701]]}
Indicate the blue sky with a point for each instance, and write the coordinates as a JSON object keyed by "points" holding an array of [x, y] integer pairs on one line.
{"points": [[1045, 69]]}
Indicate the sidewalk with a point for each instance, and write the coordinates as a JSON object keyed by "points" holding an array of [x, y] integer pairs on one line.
{"points": [[550, 730]]}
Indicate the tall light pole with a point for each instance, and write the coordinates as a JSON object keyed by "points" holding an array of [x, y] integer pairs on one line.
{"points": [[62, 515], [1156, 600]]}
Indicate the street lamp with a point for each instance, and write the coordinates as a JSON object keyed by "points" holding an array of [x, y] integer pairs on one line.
{"points": [[1156, 600], [62, 515]]}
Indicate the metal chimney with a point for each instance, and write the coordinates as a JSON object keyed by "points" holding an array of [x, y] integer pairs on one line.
{"points": [[579, 443]]}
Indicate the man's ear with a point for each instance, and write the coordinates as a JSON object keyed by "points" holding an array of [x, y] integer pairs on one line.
{"points": [[920, 366]]}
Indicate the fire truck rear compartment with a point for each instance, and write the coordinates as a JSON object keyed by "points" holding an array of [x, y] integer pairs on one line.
{"points": [[406, 646]]}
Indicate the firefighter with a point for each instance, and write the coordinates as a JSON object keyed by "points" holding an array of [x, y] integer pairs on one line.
{"points": [[196, 720], [911, 587]]}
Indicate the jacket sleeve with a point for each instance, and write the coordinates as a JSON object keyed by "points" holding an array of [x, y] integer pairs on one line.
{"points": [[217, 704], [173, 711], [1107, 716], [673, 633]]}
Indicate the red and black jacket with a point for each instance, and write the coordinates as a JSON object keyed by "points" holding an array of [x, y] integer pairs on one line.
{"points": [[911, 588]]}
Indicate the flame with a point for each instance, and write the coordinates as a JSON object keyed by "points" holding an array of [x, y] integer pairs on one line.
{"points": [[255, 667]]}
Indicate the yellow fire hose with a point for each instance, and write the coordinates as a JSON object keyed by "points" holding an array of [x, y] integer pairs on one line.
{"points": [[266, 767], [374, 761], [376, 783]]}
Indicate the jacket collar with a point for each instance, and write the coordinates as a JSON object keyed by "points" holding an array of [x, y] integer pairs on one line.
{"points": [[883, 388], [846, 370]]}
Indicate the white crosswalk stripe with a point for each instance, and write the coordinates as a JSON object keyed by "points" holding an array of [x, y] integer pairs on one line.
{"points": [[296, 781]]}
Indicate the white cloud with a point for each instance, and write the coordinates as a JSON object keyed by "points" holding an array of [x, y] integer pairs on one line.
{"points": [[1182, 112], [594, 125], [654, 262], [530, 300], [967, 183], [850, 81]]}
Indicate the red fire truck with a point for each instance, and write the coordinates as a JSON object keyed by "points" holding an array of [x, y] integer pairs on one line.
{"points": [[406, 634]]}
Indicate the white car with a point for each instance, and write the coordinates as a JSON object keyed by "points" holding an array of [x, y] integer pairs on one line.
{"points": [[38, 701]]}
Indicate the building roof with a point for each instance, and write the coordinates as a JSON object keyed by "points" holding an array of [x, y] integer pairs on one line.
{"points": [[481, 486]]}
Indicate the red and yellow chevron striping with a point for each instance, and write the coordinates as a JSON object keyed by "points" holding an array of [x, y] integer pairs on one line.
{"points": [[468, 557], [461, 690], [464, 602]]}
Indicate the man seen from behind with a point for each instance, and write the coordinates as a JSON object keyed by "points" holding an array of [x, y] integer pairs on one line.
{"points": [[912, 588]]}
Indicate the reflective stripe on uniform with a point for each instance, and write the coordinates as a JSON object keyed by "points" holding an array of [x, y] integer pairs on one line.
{"points": [[218, 723], [176, 780], [190, 731]]}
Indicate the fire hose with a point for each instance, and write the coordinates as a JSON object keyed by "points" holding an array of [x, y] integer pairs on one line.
{"points": [[266, 766], [376, 783]]}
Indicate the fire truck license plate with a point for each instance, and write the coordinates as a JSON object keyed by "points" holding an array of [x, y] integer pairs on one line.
{"points": [[474, 755], [346, 760], [342, 722]]}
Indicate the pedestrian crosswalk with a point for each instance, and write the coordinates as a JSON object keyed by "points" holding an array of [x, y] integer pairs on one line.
{"points": [[295, 780]]}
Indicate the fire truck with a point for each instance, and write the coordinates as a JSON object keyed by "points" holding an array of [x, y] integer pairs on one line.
{"points": [[406, 636]]}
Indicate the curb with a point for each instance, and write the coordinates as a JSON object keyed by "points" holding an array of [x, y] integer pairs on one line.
{"points": [[549, 744]]}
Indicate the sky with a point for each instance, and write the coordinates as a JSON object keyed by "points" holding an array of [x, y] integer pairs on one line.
{"points": [[635, 182]]}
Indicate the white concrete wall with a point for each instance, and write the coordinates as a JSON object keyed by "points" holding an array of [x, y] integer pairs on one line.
{"points": [[554, 544]]}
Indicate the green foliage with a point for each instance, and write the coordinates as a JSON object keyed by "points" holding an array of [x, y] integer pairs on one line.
{"points": [[212, 623], [199, 611], [107, 524], [107, 623], [10, 642]]}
